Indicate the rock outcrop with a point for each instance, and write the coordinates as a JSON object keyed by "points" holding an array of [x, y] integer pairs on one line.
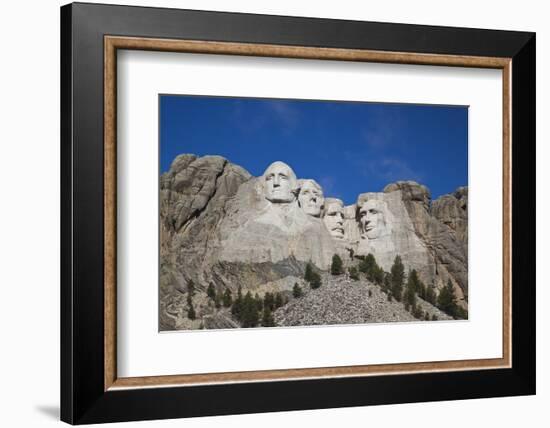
{"points": [[219, 225], [254, 230], [389, 230], [344, 301], [194, 194], [448, 253], [452, 210]]}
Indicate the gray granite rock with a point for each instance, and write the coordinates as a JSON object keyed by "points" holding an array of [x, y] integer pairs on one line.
{"points": [[341, 300], [220, 225], [448, 253], [452, 210]]}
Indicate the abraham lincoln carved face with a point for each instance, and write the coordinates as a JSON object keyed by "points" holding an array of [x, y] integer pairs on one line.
{"points": [[372, 218]]}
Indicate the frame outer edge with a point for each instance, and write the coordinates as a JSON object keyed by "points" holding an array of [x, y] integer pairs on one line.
{"points": [[82, 401], [524, 217], [66, 153]]}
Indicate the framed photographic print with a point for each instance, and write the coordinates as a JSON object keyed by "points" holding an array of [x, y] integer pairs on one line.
{"points": [[316, 212]]}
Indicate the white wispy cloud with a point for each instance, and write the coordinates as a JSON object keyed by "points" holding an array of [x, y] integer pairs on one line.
{"points": [[285, 113]]}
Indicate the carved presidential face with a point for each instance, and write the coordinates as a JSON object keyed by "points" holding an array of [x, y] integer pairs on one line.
{"points": [[279, 183], [311, 198], [372, 219], [334, 218]]}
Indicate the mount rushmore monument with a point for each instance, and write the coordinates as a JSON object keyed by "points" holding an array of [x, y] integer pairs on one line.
{"points": [[224, 228]]}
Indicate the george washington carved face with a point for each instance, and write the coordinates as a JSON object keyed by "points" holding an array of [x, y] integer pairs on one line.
{"points": [[279, 183], [372, 218], [311, 198]]}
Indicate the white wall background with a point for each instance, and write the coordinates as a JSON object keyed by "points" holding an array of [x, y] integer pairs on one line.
{"points": [[29, 218]]}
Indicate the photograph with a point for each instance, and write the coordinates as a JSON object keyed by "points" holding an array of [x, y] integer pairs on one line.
{"points": [[296, 213]]}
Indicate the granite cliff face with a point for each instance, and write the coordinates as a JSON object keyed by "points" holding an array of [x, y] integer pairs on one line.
{"points": [[446, 246], [452, 210], [194, 194], [219, 225]]}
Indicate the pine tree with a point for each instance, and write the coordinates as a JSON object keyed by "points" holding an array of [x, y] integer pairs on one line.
{"points": [[370, 293], [426, 316], [461, 313], [414, 280], [269, 301], [431, 294], [422, 291], [367, 264], [227, 298], [250, 316], [211, 291], [191, 312], [386, 284], [297, 291], [410, 291], [267, 318], [259, 302], [191, 288], [237, 308], [379, 275], [309, 271], [418, 313], [397, 278], [278, 300], [315, 281], [218, 300], [336, 268], [434, 317], [353, 273], [446, 301]]}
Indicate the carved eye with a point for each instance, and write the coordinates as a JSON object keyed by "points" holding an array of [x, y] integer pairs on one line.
{"points": [[373, 211], [269, 177], [283, 176]]}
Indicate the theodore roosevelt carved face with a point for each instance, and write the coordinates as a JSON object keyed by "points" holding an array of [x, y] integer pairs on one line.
{"points": [[279, 183], [311, 197], [334, 217]]}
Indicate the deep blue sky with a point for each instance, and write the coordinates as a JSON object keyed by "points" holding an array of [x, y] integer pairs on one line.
{"points": [[349, 148]]}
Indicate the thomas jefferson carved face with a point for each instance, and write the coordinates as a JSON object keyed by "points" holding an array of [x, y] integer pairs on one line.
{"points": [[279, 183], [311, 197], [334, 217], [372, 218]]}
